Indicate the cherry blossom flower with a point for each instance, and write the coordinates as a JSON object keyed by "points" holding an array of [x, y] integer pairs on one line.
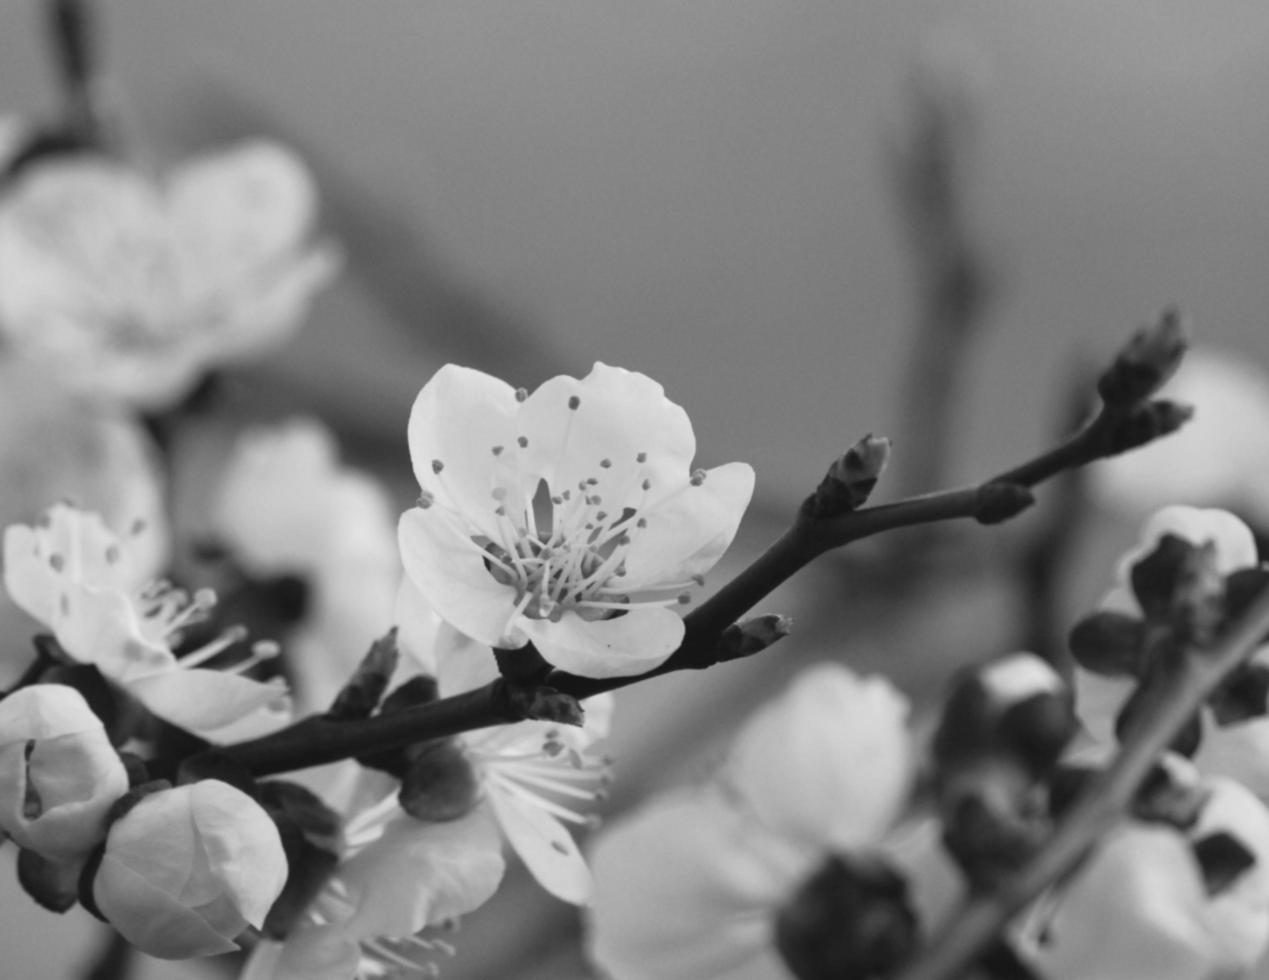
{"points": [[130, 287], [59, 774], [568, 517], [1238, 750], [688, 887], [536, 778], [1140, 907], [186, 870], [79, 579], [397, 877], [286, 506]]}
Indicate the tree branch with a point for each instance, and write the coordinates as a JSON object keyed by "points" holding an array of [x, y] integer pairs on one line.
{"points": [[1106, 800]]}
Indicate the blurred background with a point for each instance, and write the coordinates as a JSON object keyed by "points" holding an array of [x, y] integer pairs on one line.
{"points": [[705, 191]]}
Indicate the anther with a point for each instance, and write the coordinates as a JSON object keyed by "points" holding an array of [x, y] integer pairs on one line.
{"points": [[698, 477], [647, 485], [574, 402], [523, 441], [425, 500], [56, 562], [641, 458], [606, 463], [497, 450], [437, 466], [521, 394]]}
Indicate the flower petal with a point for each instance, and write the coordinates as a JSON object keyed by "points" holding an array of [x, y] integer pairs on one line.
{"points": [[619, 415], [418, 874], [619, 647], [686, 889], [202, 701], [544, 845], [458, 419], [688, 532], [829, 762], [447, 569], [309, 953]]}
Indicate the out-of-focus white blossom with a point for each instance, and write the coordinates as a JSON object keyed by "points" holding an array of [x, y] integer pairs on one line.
{"points": [[59, 774], [536, 778], [688, 887], [397, 877], [1220, 457], [186, 870], [1140, 907], [568, 517], [128, 286], [80, 580], [1239, 750], [287, 506]]}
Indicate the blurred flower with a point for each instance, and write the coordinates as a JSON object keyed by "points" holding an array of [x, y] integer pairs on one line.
{"points": [[80, 580], [1221, 457], [59, 774], [568, 517], [398, 876], [287, 507], [53, 447], [535, 777], [1238, 749], [688, 888], [186, 870], [1143, 907], [130, 287]]}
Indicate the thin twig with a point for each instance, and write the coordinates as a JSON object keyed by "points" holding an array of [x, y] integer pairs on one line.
{"points": [[963, 939]]}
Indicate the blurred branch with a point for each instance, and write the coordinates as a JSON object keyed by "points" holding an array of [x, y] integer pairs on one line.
{"points": [[1106, 800], [929, 166]]}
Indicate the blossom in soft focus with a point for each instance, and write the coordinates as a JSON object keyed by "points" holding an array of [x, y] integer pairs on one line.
{"points": [[536, 778], [1240, 749], [1141, 906], [59, 774], [688, 887], [397, 876], [1220, 457], [80, 580], [186, 870], [568, 517], [128, 286], [54, 447], [287, 507]]}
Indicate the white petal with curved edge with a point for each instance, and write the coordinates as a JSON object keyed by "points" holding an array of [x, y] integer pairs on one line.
{"points": [[447, 568], [458, 419], [418, 874], [620, 414], [152, 920], [310, 952], [544, 845], [629, 644], [830, 761], [462, 664], [688, 532], [685, 889], [199, 700]]}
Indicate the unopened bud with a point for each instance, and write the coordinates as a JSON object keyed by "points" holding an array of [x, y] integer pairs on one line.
{"points": [[439, 784], [186, 870], [999, 502], [59, 774], [752, 636], [1180, 583], [851, 919], [1146, 362], [1109, 643], [543, 703], [1146, 423], [850, 480], [361, 695]]}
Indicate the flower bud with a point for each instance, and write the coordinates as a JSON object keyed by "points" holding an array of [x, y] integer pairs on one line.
{"points": [[59, 773], [850, 480], [186, 870], [1149, 359]]}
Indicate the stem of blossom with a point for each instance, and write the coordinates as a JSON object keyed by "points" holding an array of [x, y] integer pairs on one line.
{"points": [[318, 740], [970, 932]]}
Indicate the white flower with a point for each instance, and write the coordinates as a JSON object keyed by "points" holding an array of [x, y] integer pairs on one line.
{"points": [[286, 506], [130, 287], [80, 580], [535, 777], [1220, 457], [688, 888], [59, 774], [1140, 907], [568, 517], [397, 877], [186, 870], [1239, 750]]}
